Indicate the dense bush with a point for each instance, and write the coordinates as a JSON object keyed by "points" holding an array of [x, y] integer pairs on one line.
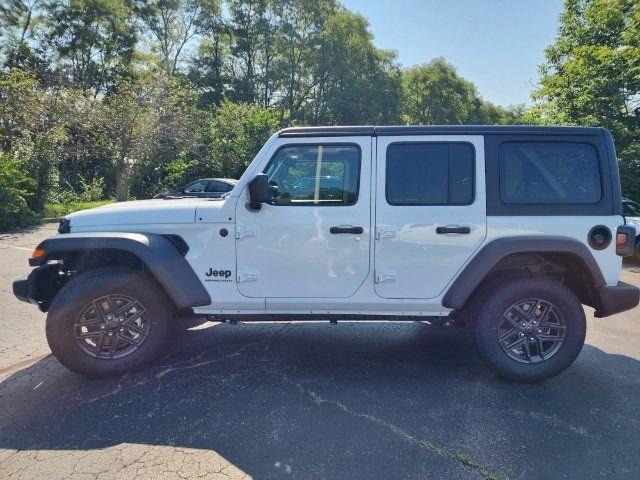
{"points": [[15, 188]]}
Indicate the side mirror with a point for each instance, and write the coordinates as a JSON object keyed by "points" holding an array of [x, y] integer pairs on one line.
{"points": [[258, 191]]}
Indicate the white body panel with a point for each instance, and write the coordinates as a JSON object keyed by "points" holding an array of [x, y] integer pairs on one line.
{"points": [[411, 259], [287, 251], [300, 269]]}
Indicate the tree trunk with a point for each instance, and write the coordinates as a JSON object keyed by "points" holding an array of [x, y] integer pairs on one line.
{"points": [[120, 193]]}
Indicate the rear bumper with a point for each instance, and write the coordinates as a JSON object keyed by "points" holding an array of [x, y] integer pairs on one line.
{"points": [[617, 299]]}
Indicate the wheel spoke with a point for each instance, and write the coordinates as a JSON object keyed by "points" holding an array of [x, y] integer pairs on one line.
{"points": [[94, 333], [130, 321], [92, 321], [520, 311], [113, 310], [532, 310], [540, 348], [553, 326], [504, 337], [515, 344], [512, 321], [526, 348], [130, 340], [98, 309], [135, 328], [544, 318], [99, 343], [547, 337], [114, 343], [127, 307]]}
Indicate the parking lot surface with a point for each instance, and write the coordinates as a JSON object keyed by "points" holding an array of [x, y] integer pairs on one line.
{"points": [[313, 400]]}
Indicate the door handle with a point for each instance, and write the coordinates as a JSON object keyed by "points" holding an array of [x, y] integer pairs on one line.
{"points": [[347, 229], [453, 229]]}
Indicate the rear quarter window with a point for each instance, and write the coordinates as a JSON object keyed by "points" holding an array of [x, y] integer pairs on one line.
{"points": [[549, 173]]}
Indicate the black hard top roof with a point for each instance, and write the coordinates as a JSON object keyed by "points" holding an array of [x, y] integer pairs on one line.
{"points": [[373, 131]]}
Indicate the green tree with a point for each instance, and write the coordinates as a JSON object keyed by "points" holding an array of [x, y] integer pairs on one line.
{"points": [[301, 26], [172, 24], [356, 82], [31, 130], [592, 76], [434, 94], [235, 133], [15, 190], [94, 40], [132, 126], [17, 19]]}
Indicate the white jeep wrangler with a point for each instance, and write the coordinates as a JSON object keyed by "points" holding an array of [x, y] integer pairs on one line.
{"points": [[510, 228]]}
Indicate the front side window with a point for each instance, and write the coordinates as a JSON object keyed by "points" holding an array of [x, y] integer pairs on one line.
{"points": [[315, 175], [549, 173], [430, 174]]}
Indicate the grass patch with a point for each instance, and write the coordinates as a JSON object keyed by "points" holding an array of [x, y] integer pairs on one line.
{"points": [[55, 210]]}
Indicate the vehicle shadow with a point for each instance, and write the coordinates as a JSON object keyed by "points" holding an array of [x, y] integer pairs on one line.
{"points": [[356, 400]]}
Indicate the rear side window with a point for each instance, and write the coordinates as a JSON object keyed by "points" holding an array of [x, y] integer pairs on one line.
{"points": [[549, 173], [430, 174], [198, 186], [215, 186]]}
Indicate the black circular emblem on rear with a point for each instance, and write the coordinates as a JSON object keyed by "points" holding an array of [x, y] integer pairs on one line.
{"points": [[224, 232]]}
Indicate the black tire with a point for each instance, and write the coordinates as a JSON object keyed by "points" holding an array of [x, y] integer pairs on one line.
{"points": [[498, 297], [77, 296]]}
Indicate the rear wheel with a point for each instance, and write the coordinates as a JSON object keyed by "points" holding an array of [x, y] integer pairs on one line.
{"points": [[530, 328], [108, 322]]}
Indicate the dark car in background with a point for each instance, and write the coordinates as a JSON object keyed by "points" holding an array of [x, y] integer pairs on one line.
{"points": [[202, 188]]}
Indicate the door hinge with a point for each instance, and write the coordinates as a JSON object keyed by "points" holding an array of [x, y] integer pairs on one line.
{"points": [[384, 275], [385, 232], [242, 231], [245, 276]]}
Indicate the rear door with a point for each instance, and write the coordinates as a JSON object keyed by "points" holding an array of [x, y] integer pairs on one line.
{"points": [[430, 211]]}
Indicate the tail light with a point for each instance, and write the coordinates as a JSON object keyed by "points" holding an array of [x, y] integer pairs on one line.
{"points": [[625, 240]]}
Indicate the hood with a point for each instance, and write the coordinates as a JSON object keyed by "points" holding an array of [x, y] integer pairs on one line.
{"points": [[139, 212]]}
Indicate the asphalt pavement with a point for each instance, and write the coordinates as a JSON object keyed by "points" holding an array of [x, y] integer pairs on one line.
{"points": [[314, 401]]}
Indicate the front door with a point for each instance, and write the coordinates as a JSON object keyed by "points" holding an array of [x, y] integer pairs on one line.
{"points": [[312, 239], [430, 212]]}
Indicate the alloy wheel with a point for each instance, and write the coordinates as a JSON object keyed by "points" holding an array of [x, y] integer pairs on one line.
{"points": [[112, 326], [531, 331]]}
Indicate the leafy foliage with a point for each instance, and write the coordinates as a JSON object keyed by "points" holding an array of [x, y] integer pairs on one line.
{"points": [[15, 191], [434, 94], [592, 76], [126, 98]]}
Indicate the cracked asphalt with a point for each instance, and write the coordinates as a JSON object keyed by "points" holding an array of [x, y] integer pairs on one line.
{"points": [[313, 400]]}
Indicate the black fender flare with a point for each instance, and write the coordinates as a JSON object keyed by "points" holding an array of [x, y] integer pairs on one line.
{"points": [[157, 252], [488, 257]]}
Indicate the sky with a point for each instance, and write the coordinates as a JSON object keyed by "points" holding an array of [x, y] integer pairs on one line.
{"points": [[496, 44]]}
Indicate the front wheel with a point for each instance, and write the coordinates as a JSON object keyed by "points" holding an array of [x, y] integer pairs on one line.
{"points": [[108, 322], [529, 328]]}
